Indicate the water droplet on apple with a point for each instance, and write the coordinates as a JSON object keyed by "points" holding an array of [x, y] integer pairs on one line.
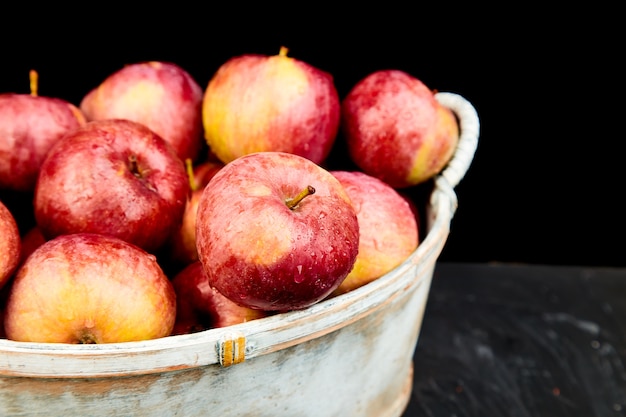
{"points": [[322, 215], [298, 277]]}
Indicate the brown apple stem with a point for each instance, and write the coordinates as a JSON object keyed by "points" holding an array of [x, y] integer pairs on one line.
{"points": [[297, 199], [34, 77], [137, 171], [133, 166], [283, 51], [193, 184]]}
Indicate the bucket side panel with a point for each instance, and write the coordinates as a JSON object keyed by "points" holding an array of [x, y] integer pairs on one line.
{"points": [[360, 369]]}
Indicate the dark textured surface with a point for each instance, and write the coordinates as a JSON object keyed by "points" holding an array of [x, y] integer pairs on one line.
{"points": [[522, 340]]}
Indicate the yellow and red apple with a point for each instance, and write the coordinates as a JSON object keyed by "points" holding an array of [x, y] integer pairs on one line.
{"points": [[396, 130], [89, 288], [259, 103], [388, 227], [161, 95], [181, 246], [10, 244], [29, 125], [275, 231]]}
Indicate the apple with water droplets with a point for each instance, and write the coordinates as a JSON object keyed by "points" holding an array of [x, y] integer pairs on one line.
{"points": [[276, 232], [256, 103], [29, 125], [10, 244], [388, 227], [181, 246], [396, 130], [88, 288], [161, 95], [200, 306], [116, 177]]}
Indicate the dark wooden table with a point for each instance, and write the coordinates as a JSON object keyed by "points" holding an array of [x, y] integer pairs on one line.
{"points": [[522, 340]]}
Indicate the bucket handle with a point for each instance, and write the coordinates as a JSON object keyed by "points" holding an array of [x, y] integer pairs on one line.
{"points": [[469, 127]]}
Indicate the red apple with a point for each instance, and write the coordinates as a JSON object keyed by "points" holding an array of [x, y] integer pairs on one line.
{"points": [[276, 231], [388, 228], [4, 294], [114, 177], [31, 240], [200, 306], [270, 103], [396, 130], [10, 244], [161, 95], [182, 244], [89, 288], [29, 125]]}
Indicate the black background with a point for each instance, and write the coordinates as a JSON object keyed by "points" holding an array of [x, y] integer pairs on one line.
{"points": [[546, 182]]}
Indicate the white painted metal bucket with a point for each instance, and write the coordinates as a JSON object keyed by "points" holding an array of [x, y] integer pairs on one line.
{"points": [[346, 356]]}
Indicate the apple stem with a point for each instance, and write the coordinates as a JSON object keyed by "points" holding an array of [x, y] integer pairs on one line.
{"points": [[193, 184], [308, 190], [283, 51], [33, 76], [134, 168]]}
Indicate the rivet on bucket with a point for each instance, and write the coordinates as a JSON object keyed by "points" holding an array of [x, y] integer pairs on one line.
{"points": [[231, 349]]}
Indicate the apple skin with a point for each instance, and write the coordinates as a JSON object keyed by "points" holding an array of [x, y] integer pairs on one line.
{"points": [[4, 295], [89, 288], [161, 95], [10, 244], [181, 246], [257, 103], [29, 126], [31, 240], [114, 177], [260, 253], [200, 306], [396, 130], [388, 227]]}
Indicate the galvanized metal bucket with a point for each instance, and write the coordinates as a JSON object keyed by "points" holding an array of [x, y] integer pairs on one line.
{"points": [[350, 355]]}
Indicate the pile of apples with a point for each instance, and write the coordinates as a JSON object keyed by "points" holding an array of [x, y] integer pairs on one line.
{"points": [[163, 208]]}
